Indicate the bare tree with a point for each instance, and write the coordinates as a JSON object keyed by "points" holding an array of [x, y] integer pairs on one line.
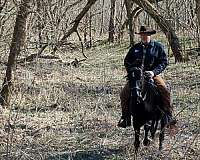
{"points": [[129, 5], [90, 28], [165, 27], [2, 4], [111, 29], [102, 17], [3, 17], [198, 17], [76, 23], [17, 43], [85, 32], [132, 15], [39, 21]]}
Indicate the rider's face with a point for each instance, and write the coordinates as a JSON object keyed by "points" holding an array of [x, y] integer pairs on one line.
{"points": [[145, 38]]}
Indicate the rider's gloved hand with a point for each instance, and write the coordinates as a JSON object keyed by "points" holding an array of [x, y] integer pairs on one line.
{"points": [[149, 74]]}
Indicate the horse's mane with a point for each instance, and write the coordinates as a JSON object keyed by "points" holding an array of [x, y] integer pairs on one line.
{"points": [[150, 92]]}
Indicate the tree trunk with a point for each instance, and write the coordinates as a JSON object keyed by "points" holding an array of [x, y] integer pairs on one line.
{"points": [[17, 43], [85, 30], [165, 27], [39, 21], [2, 5], [197, 11], [90, 29], [76, 23], [111, 29], [133, 17], [129, 5], [134, 13], [120, 29], [102, 18]]}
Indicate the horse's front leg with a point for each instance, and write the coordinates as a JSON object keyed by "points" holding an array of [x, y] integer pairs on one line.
{"points": [[153, 128], [162, 132], [137, 139], [146, 140]]}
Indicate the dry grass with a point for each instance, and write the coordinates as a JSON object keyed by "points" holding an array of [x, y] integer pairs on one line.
{"points": [[62, 112]]}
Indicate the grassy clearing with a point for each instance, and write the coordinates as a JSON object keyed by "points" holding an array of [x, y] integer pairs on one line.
{"points": [[62, 112]]}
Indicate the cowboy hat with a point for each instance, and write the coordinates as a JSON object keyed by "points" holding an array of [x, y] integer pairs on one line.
{"points": [[145, 30]]}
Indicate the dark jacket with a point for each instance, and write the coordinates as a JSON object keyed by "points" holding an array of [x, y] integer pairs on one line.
{"points": [[155, 57]]}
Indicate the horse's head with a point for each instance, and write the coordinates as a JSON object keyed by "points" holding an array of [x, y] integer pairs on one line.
{"points": [[141, 85], [135, 81]]}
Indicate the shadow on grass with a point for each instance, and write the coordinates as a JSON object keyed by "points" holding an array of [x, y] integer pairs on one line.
{"points": [[87, 155]]}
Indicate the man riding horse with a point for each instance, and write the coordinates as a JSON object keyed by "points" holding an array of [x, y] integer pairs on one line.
{"points": [[151, 57]]}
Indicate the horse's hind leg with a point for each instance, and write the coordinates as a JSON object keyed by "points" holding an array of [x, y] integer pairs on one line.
{"points": [[153, 128], [147, 127], [162, 133]]}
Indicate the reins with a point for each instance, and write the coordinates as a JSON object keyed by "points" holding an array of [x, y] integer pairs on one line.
{"points": [[144, 51]]}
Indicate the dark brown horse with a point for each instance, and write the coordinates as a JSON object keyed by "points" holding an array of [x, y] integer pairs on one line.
{"points": [[145, 107]]}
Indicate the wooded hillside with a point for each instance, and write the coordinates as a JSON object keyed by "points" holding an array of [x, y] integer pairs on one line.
{"points": [[61, 69]]}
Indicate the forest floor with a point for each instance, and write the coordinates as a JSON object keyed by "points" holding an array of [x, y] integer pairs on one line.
{"points": [[65, 112]]}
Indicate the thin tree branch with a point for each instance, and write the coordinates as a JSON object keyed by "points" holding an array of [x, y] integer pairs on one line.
{"points": [[79, 37], [76, 23]]}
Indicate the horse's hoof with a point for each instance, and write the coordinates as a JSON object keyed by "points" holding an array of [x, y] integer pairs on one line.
{"points": [[146, 142], [160, 148], [137, 146]]}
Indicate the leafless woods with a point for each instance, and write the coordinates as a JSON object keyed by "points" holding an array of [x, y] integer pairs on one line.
{"points": [[27, 28]]}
